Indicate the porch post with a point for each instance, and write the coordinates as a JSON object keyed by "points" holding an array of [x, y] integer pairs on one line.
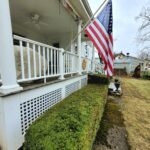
{"points": [[7, 59], [79, 46], [93, 59], [61, 64]]}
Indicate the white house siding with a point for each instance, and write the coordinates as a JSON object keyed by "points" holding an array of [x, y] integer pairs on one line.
{"points": [[122, 66]]}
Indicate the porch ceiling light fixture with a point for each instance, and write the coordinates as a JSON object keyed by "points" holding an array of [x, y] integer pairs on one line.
{"points": [[36, 20]]}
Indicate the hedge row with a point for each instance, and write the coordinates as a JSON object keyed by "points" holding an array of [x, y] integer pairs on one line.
{"points": [[71, 124], [97, 79]]}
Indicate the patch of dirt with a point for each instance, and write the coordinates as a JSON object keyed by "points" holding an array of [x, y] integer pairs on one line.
{"points": [[116, 138], [112, 134], [131, 91]]}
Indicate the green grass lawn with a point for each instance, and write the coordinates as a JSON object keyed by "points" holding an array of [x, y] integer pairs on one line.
{"points": [[136, 99]]}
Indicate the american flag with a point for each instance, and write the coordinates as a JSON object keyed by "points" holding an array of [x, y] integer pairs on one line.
{"points": [[99, 32]]}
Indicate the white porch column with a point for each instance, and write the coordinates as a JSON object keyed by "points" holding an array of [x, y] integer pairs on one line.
{"points": [[79, 46], [61, 64], [93, 59], [7, 60]]}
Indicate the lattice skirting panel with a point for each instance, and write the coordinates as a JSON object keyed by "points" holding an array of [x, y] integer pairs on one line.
{"points": [[20, 110], [34, 108], [83, 82], [72, 88]]}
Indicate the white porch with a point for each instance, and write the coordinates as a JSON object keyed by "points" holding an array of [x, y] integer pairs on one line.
{"points": [[35, 75], [51, 22]]}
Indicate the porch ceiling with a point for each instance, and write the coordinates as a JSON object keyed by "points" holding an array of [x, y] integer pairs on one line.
{"points": [[53, 16]]}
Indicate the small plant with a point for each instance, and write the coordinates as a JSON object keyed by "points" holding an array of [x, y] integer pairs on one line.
{"points": [[146, 74]]}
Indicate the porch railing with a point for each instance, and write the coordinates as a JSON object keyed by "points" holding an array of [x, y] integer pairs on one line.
{"points": [[35, 60], [70, 63]]}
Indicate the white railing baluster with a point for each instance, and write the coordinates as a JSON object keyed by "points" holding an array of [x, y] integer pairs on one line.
{"points": [[48, 61], [39, 54], [54, 61], [61, 64], [64, 62], [29, 61], [22, 60], [51, 61], [44, 61], [34, 61], [67, 64], [71, 64], [58, 62]]}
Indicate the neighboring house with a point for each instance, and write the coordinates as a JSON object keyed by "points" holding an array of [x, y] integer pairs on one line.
{"points": [[126, 64], [38, 64]]}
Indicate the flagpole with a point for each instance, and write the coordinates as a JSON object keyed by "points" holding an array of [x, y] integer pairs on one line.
{"points": [[90, 19]]}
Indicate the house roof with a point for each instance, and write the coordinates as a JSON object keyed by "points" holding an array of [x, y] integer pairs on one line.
{"points": [[118, 54], [125, 59]]}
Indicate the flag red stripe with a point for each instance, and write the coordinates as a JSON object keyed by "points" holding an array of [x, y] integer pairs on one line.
{"points": [[111, 39], [96, 35], [99, 39], [103, 46], [110, 50], [110, 66], [95, 44], [101, 31], [105, 37]]}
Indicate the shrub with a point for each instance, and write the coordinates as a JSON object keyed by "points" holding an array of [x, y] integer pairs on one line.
{"points": [[71, 124], [97, 79], [146, 74]]}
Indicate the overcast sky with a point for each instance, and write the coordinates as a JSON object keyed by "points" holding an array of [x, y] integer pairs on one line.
{"points": [[125, 27]]}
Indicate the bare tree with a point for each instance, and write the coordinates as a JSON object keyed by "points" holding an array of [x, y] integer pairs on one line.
{"points": [[144, 55], [143, 38]]}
